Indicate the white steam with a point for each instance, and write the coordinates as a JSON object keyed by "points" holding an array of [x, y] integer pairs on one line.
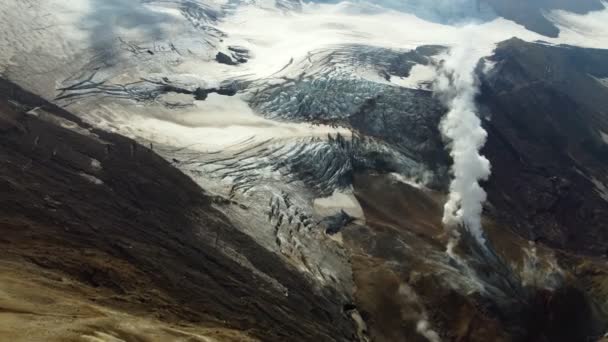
{"points": [[423, 326], [457, 85], [541, 268]]}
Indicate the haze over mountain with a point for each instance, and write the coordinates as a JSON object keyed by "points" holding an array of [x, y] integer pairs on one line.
{"points": [[272, 170]]}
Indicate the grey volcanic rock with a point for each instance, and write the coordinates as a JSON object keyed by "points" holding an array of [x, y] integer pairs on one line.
{"points": [[224, 59]]}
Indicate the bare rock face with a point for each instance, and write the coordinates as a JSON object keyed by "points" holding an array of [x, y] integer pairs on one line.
{"points": [[547, 118]]}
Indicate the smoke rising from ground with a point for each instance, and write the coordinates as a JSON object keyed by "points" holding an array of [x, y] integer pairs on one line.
{"points": [[423, 326], [461, 127]]}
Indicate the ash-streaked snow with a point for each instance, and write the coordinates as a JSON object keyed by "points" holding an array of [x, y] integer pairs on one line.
{"points": [[219, 123]]}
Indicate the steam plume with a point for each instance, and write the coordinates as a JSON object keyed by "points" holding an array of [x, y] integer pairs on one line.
{"points": [[423, 326], [457, 86]]}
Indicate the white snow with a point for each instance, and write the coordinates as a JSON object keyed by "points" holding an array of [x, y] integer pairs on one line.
{"points": [[589, 30], [411, 182], [91, 178], [488, 66], [275, 38], [420, 77], [40, 27], [56, 33], [218, 123], [337, 202], [59, 121]]}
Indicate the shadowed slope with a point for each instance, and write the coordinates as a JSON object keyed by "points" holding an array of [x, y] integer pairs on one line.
{"points": [[112, 215]]}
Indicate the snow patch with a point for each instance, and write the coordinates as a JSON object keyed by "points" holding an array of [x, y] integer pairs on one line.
{"points": [[62, 122], [421, 76], [275, 38], [588, 30], [91, 178], [488, 66], [220, 123], [96, 165], [411, 182], [337, 202], [600, 188]]}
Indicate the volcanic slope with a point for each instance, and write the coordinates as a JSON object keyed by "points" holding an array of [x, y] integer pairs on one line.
{"points": [[102, 237]]}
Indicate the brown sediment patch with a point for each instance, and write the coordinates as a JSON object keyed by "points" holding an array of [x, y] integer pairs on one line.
{"points": [[389, 202], [388, 315], [40, 305], [403, 226]]}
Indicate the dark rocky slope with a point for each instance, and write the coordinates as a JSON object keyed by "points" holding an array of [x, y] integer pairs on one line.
{"points": [[112, 215], [548, 111]]}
